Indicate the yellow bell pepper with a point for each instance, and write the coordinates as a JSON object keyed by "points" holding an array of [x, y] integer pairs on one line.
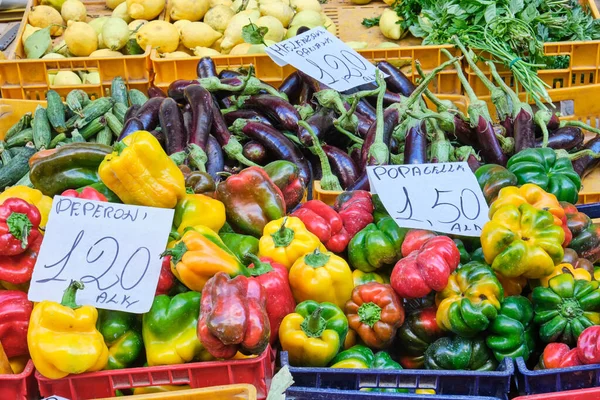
{"points": [[322, 277], [32, 196], [198, 209], [199, 255], [565, 268], [63, 338], [286, 239], [140, 172], [529, 194], [512, 286]]}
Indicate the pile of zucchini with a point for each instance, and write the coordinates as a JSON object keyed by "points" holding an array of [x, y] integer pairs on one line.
{"points": [[78, 119]]}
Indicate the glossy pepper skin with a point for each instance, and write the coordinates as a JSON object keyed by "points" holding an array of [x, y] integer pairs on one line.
{"points": [[15, 311], [122, 334], [169, 330], [313, 334], [240, 245], [286, 176], [458, 353], [542, 167], [425, 269], [360, 278], [141, 173], [71, 166], [273, 277], [559, 355], [325, 223], [563, 268], [415, 239], [32, 196], [377, 245], [357, 356], [103, 190], [586, 233], [356, 210], [198, 209], [522, 241], [19, 223], [198, 182], [375, 312], [18, 269], [588, 345], [199, 255], [323, 277], [571, 257], [166, 279], [286, 240], [63, 338], [251, 201], [419, 330], [512, 333], [233, 316], [87, 193], [565, 308], [470, 301], [492, 178]]}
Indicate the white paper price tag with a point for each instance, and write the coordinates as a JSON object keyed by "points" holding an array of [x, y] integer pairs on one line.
{"points": [[442, 197], [55, 397], [324, 57], [114, 249]]}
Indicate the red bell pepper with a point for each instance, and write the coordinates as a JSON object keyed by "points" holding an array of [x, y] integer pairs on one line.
{"points": [[233, 316], [15, 311], [588, 345], [18, 269], [325, 223], [273, 277], [356, 210], [88, 193], [415, 239], [425, 269], [558, 355], [19, 223], [166, 279]]}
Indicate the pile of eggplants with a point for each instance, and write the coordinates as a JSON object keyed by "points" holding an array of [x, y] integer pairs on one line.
{"points": [[223, 122]]}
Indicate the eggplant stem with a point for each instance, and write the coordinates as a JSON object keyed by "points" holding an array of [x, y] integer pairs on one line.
{"points": [[581, 125], [489, 84], [347, 133], [575, 156], [378, 149], [328, 180]]}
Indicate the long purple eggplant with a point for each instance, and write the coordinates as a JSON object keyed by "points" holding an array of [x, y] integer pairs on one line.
{"points": [[201, 103], [524, 130], [342, 165], [366, 109], [415, 145], [283, 115], [206, 68], [306, 96], [488, 143], [584, 164], [389, 98], [361, 183], [172, 126], [155, 91], [230, 117], [390, 120], [177, 87], [131, 112], [148, 113], [227, 141], [131, 126], [227, 73], [160, 136], [567, 138], [396, 81], [320, 122], [291, 87], [216, 159], [278, 145]]}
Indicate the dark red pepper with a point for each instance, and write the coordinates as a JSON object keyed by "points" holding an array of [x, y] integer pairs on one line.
{"points": [[356, 210], [588, 345], [88, 193], [558, 355], [166, 279], [18, 269], [15, 311], [19, 223], [325, 223]]}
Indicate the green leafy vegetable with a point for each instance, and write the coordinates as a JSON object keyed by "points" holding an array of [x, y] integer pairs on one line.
{"points": [[38, 43], [254, 34], [371, 22]]}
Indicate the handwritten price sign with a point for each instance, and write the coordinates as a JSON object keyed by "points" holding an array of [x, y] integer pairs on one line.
{"points": [[324, 57], [114, 249], [441, 197]]}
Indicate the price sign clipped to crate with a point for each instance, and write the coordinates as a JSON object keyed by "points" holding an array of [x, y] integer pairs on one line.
{"points": [[113, 249], [325, 58], [441, 197]]}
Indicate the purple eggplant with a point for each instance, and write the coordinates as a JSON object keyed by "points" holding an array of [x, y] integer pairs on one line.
{"points": [[172, 126], [291, 87], [473, 162], [306, 96], [206, 68], [567, 138], [508, 125], [215, 159], [131, 112], [415, 145], [361, 183], [279, 146], [131, 126], [389, 98], [201, 103], [177, 87], [342, 165], [227, 73], [155, 91], [488, 143], [282, 114], [160, 136], [320, 122], [230, 117], [148, 113], [524, 130], [390, 120], [230, 145], [397, 82], [366, 109], [255, 152], [586, 163]]}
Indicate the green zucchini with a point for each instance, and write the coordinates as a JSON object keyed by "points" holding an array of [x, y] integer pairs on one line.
{"points": [[113, 123], [42, 134], [104, 136], [55, 110], [93, 127], [76, 137], [21, 138], [24, 181], [18, 166], [119, 110], [118, 90], [57, 139], [137, 97], [94, 110], [76, 100], [23, 123]]}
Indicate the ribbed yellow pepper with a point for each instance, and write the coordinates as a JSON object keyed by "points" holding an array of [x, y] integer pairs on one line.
{"points": [[63, 338], [198, 209], [32, 196], [564, 268], [140, 172], [286, 239], [529, 194]]}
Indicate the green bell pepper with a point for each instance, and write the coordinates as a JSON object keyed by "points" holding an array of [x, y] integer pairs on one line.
{"points": [[511, 334], [465, 257], [357, 356], [492, 178], [123, 337], [542, 167], [565, 308], [240, 245], [417, 333], [377, 245], [458, 353], [379, 211]]}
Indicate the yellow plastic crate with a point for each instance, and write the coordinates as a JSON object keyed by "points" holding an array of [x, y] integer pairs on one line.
{"points": [[228, 392], [12, 110], [21, 78]]}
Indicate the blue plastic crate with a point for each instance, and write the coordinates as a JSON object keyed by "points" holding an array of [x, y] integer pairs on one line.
{"points": [[462, 383], [302, 393], [557, 379], [592, 210]]}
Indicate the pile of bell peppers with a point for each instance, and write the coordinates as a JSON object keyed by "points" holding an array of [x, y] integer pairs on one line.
{"points": [[340, 286]]}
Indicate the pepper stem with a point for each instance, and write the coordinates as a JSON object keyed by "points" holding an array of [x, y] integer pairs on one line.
{"points": [[369, 313], [19, 226], [284, 236], [314, 324], [176, 252], [119, 147], [328, 180], [260, 267], [316, 259], [68, 299]]}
